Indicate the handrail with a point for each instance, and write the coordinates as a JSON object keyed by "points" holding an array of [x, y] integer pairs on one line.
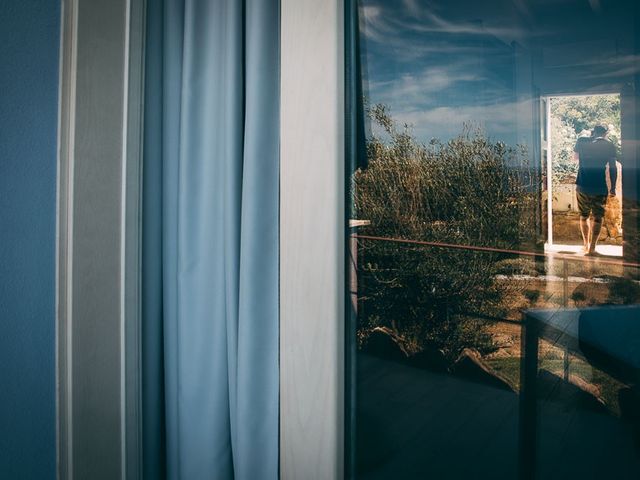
{"points": [[497, 250], [563, 258]]}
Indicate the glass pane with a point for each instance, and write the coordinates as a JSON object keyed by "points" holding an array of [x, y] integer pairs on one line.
{"points": [[494, 239]]}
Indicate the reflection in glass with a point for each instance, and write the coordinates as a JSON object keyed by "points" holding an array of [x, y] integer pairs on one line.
{"points": [[494, 240]]}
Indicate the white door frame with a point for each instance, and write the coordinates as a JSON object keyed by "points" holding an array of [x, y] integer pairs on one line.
{"points": [[312, 240], [549, 172], [548, 99]]}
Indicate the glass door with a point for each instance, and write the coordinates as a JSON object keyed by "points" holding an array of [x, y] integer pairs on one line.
{"points": [[481, 347]]}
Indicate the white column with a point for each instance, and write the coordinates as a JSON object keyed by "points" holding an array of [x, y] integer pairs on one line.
{"points": [[312, 234]]}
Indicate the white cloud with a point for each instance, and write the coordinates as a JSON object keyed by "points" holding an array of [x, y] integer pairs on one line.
{"points": [[420, 89], [383, 23], [411, 31], [447, 121], [622, 66]]}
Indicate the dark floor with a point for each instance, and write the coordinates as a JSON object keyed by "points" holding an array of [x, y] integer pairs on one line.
{"points": [[415, 424]]}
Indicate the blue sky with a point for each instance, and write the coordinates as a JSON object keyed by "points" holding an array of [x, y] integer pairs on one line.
{"points": [[440, 63], [436, 74]]}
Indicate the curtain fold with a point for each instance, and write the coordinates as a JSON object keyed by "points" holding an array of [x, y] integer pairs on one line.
{"points": [[210, 252]]}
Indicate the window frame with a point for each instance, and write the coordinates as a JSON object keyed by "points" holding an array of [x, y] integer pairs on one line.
{"points": [[98, 295], [98, 239], [312, 240]]}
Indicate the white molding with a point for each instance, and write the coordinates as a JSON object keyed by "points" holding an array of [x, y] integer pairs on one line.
{"points": [[98, 239], [312, 240], [132, 258], [64, 236]]}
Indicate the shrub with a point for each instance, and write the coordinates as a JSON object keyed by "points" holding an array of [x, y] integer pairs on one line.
{"points": [[466, 191], [532, 295], [623, 291]]}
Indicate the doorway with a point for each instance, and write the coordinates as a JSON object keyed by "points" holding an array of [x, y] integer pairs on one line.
{"points": [[569, 118]]}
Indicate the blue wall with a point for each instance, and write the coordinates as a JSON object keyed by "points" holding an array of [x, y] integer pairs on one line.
{"points": [[29, 45]]}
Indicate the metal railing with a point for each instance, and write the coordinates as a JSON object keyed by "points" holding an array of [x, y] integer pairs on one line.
{"points": [[554, 256], [564, 258]]}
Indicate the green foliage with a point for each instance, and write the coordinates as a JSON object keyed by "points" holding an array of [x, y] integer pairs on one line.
{"points": [[572, 117], [578, 296], [584, 112], [467, 191], [623, 291], [532, 295]]}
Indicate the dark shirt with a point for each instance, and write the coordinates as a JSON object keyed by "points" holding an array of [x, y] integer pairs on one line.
{"points": [[593, 156]]}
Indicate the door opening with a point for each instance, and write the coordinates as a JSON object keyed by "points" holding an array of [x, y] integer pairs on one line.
{"points": [[567, 120]]}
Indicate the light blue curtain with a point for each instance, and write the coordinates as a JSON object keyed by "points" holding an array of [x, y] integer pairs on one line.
{"points": [[210, 240]]}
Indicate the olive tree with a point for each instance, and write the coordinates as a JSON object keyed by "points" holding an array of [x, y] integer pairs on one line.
{"points": [[468, 191]]}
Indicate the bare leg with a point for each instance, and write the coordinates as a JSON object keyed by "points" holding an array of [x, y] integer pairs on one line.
{"points": [[596, 226], [584, 229]]}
